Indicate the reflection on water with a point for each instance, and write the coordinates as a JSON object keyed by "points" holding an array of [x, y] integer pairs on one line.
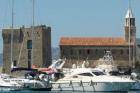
{"points": [[134, 92]]}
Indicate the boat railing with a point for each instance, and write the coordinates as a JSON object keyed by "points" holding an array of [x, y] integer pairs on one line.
{"points": [[73, 85]]}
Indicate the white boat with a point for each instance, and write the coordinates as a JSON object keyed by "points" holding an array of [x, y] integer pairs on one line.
{"points": [[9, 83], [87, 79]]}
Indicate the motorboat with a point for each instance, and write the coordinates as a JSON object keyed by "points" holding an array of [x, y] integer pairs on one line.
{"points": [[36, 79], [88, 79], [31, 81], [8, 85]]}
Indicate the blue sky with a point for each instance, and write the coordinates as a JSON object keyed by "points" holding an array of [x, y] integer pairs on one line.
{"points": [[81, 18]]}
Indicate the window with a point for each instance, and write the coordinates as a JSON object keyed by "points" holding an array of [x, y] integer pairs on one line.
{"points": [[15, 63], [85, 74], [29, 44], [98, 73], [88, 51], [132, 22]]}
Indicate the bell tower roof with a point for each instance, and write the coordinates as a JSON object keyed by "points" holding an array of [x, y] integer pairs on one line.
{"points": [[129, 13]]}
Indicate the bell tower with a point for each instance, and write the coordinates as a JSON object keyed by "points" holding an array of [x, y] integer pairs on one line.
{"points": [[130, 28]]}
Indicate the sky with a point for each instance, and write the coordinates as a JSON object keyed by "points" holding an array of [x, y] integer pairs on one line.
{"points": [[71, 18]]}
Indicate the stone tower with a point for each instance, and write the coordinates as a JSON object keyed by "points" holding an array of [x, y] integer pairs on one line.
{"points": [[130, 28], [23, 45]]}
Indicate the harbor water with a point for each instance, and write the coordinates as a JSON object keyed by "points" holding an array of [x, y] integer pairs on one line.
{"points": [[63, 92]]}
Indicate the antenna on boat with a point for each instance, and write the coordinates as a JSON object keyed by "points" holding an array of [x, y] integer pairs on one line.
{"points": [[32, 27], [12, 29]]}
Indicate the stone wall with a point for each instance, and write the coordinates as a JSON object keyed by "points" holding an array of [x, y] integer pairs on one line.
{"points": [[41, 47], [75, 54]]}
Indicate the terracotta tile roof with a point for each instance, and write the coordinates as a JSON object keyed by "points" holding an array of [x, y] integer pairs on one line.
{"points": [[92, 41]]}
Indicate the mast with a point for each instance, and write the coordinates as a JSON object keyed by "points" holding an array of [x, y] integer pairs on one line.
{"points": [[134, 43], [33, 6], [12, 26], [129, 37]]}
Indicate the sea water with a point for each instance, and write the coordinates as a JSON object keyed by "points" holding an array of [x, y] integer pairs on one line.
{"points": [[63, 92]]}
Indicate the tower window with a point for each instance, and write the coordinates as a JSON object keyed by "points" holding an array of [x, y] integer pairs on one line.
{"points": [[29, 44], [15, 63], [132, 22]]}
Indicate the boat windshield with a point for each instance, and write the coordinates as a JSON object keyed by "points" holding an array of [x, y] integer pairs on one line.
{"points": [[85, 74], [98, 73]]}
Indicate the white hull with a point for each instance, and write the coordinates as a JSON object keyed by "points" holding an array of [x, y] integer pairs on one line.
{"points": [[6, 89], [93, 86]]}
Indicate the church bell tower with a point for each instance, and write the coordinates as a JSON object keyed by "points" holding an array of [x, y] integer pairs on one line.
{"points": [[130, 28]]}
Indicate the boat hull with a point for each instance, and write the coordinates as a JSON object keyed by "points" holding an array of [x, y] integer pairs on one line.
{"points": [[38, 89], [93, 86], [10, 88]]}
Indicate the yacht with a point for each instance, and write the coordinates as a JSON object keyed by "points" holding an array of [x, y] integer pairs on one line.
{"points": [[88, 79]]}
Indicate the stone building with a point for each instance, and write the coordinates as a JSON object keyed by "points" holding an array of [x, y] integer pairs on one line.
{"points": [[28, 48], [78, 49]]}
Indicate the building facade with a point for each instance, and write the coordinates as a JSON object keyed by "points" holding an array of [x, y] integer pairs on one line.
{"points": [[78, 49], [28, 48]]}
